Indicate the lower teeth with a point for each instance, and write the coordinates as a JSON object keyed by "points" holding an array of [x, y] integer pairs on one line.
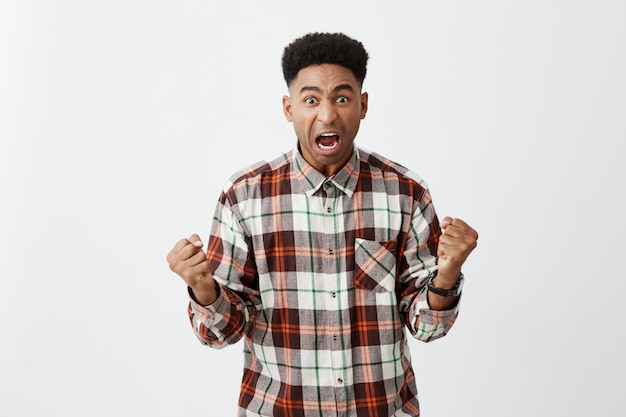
{"points": [[324, 147]]}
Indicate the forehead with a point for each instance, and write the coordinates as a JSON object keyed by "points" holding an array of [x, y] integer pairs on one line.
{"points": [[324, 77]]}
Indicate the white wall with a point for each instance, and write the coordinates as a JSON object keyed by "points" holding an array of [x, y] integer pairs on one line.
{"points": [[121, 120]]}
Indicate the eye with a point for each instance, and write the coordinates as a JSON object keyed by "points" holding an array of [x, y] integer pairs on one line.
{"points": [[310, 100], [342, 99]]}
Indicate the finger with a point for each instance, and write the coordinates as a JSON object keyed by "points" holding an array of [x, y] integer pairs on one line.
{"points": [[454, 232], [197, 258], [195, 240], [466, 228], [179, 256], [179, 245], [189, 255], [458, 237], [202, 267], [458, 228], [455, 250], [184, 264], [446, 222], [174, 253]]}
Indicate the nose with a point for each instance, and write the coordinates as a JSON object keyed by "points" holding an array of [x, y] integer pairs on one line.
{"points": [[326, 113]]}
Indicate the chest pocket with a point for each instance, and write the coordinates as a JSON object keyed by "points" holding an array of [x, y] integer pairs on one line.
{"points": [[375, 265]]}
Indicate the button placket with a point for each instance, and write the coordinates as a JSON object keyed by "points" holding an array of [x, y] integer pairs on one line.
{"points": [[334, 302]]}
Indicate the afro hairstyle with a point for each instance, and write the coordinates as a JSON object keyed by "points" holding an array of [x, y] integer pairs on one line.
{"points": [[324, 48]]}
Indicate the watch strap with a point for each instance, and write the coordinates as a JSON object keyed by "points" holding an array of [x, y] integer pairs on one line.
{"points": [[452, 292]]}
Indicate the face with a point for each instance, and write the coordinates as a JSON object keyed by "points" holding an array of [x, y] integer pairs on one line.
{"points": [[326, 106]]}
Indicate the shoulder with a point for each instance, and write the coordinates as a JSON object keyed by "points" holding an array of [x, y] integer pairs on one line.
{"points": [[255, 173], [376, 164]]}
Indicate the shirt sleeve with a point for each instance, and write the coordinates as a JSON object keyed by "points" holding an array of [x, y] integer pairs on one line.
{"points": [[432, 324], [419, 262], [221, 323], [225, 321]]}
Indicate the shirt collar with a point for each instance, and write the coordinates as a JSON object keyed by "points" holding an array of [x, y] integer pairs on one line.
{"points": [[308, 180]]}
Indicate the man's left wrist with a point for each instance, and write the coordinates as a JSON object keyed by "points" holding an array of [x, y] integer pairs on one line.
{"points": [[453, 289]]}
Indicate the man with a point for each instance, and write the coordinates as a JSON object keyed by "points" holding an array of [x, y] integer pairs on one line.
{"points": [[322, 257]]}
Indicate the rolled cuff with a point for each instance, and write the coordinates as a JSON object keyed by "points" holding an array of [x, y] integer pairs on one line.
{"points": [[207, 316], [432, 324]]}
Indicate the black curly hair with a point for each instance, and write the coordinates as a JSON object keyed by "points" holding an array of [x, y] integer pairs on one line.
{"points": [[324, 48]]}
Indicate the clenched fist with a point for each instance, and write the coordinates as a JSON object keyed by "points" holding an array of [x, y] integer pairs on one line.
{"points": [[189, 261], [456, 243]]}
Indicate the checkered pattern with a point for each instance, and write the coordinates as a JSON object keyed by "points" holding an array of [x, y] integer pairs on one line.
{"points": [[320, 276]]}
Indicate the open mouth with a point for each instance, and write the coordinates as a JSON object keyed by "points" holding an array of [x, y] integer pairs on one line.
{"points": [[327, 141]]}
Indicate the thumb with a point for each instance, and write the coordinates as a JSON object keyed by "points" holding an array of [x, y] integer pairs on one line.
{"points": [[195, 240]]}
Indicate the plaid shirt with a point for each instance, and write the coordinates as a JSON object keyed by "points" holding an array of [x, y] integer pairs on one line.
{"points": [[320, 276]]}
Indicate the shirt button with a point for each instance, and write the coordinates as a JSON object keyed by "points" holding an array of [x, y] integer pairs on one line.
{"points": [[335, 337], [339, 381], [333, 294], [329, 210], [330, 251]]}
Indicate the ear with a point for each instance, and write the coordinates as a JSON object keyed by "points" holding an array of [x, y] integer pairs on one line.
{"points": [[364, 98], [287, 108]]}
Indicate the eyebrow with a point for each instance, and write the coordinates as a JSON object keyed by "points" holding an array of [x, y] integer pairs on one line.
{"points": [[319, 90]]}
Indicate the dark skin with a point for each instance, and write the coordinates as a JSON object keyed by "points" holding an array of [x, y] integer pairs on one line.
{"points": [[327, 99], [456, 243], [189, 261]]}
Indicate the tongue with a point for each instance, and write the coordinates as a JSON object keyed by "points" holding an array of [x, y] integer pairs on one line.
{"points": [[327, 140]]}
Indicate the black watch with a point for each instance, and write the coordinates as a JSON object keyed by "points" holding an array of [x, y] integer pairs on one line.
{"points": [[452, 292]]}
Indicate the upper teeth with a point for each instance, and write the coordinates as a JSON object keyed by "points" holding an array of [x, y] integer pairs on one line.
{"points": [[327, 134]]}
